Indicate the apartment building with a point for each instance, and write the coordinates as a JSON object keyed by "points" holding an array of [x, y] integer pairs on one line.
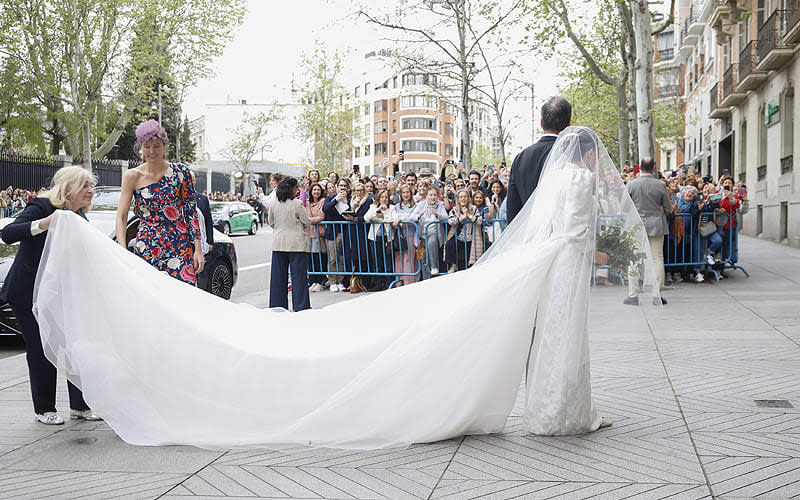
{"points": [[405, 119], [741, 65], [668, 89]]}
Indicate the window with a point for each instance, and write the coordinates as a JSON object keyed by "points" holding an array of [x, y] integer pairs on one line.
{"points": [[449, 109], [366, 88], [448, 128], [366, 109], [366, 150], [418, 124], [742, 167], [761, 13], [358, 91], [381, 106], [366, 130], [419, 101], [419, 145], [416, 166], [787, 125], [380, 127], [380, 148], [448, 150], [394, 148], [394, 82], [356, 152], [394, 126]]}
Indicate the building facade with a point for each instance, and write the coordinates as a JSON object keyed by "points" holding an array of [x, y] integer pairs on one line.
{"points": [[668, 91], [404, 120], [741, 61]]}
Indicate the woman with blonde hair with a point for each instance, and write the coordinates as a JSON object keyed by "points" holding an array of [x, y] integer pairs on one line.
{"points": [[72, 189], [405, 258]]}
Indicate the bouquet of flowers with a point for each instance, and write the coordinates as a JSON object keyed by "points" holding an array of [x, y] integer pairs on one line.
{"points": [[619, 245]]}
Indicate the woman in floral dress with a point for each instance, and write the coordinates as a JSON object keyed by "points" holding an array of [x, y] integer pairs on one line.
{"points": [[164, 200]]}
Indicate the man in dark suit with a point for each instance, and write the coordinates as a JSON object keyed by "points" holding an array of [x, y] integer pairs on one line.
{"points": [[205, 207], [527, 166]]}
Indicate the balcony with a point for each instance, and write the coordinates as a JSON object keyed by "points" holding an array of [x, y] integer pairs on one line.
{"points": [[689, 33], [731, 95], [668, 90], [749, 77], [772, 51], [787, 165], [792, 22], [717, 110]]}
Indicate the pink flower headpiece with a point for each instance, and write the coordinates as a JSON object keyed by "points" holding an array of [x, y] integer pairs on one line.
{"points": [[149, 130]]}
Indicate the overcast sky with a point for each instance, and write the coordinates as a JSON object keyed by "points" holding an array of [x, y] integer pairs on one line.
{"points": [[259, 64]]}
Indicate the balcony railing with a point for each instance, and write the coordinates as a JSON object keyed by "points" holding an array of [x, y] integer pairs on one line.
{"points": [[787, 165], [747, 60], [793, 16], [762, 172], [668, 90], [714, 97], [770, 34], [729, 81]]}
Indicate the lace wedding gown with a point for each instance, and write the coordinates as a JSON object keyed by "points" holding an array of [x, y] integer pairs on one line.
{"points": [[166, 363]]}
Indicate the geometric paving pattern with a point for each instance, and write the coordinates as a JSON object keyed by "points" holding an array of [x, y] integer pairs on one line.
{"points": [[679, 385]]}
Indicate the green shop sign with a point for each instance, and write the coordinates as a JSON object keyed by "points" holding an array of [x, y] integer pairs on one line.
{"points": [[771, 113]]}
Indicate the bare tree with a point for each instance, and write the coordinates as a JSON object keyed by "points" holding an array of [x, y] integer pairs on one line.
{"points": [[467, 22]]}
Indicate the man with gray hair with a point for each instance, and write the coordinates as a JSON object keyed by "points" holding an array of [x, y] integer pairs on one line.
{"points": [[652, 200], [528, 165]]}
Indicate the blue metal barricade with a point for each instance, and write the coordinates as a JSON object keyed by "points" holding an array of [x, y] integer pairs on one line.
{"points": [[685, 249], [450, 248], [366, 249]]}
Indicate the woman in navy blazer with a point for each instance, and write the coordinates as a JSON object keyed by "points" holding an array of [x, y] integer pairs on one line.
{"points": [[72, 190]]}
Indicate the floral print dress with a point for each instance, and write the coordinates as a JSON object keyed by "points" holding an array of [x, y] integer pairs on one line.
{"points": [[169, 225]]}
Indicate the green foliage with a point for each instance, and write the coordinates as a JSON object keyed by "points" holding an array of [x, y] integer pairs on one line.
{"points": [[251, 137], [188, 154], [620, 245], [8, 250], [482, 155], [92, 65], [20, 117], [594, 105], [669, 120], [326, 120]]}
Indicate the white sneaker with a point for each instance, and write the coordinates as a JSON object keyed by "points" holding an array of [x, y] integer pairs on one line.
{"points": [[49, 418], [710, 259], [89, 415], [434, 271], [699, 278], [341, 286], [334, 288]]}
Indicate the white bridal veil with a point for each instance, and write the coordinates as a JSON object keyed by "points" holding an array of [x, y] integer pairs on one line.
{"points": [[166, 363]]}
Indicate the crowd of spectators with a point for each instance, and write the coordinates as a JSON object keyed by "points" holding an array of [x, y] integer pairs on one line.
{"points": [[458, 213], [14, 200], [698, 201]]}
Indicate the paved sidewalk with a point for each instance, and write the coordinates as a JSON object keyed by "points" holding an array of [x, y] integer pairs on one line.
{"points": [[679, 386]]}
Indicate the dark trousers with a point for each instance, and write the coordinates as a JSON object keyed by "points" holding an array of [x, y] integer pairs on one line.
{"points": [[41, 372], [279, 280], [456, 253]]}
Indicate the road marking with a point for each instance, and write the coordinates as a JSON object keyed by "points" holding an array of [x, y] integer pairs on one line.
{"points": [[257, 266]]}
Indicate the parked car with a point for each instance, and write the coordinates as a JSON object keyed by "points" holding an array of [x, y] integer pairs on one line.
{"points": [[218, 278], [234, 217]]}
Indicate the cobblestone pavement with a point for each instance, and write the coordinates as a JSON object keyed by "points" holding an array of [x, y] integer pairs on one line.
{"points": [[681, 388]]}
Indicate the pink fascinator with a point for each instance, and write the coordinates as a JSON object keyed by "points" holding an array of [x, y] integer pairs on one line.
{"points": [[149, 130]]}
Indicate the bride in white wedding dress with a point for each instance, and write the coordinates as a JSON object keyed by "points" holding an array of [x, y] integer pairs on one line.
{"points": [[165, 363]]}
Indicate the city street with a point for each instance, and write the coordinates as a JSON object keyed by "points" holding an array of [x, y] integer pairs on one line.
{"points": [[704, 397]]}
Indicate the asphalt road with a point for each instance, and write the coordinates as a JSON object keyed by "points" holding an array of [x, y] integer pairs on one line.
{"points": [[253, 253]]}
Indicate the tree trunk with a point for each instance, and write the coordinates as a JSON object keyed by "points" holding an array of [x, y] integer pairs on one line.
{"points": [[86, 146], [630, 68], [622, 116], [466, 148], [644, 78]]}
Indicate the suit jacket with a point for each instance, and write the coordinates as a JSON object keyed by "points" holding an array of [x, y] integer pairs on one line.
{"points": [[290, 220], [651, 199], [18, 287], [204, 206], [525, 173]]}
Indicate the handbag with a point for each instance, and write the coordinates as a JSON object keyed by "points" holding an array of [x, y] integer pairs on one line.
{"points": [[421, 252], [707, 228], [356, 285], [399, 241]]}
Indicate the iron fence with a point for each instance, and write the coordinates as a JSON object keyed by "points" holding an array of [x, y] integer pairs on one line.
{"points": [[770, 34]]}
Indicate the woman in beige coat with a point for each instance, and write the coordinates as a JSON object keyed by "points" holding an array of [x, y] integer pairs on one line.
{"points": [[290, 248]]}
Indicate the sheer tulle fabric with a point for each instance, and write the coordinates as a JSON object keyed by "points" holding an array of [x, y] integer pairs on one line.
{"points": [[166, 363]]}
